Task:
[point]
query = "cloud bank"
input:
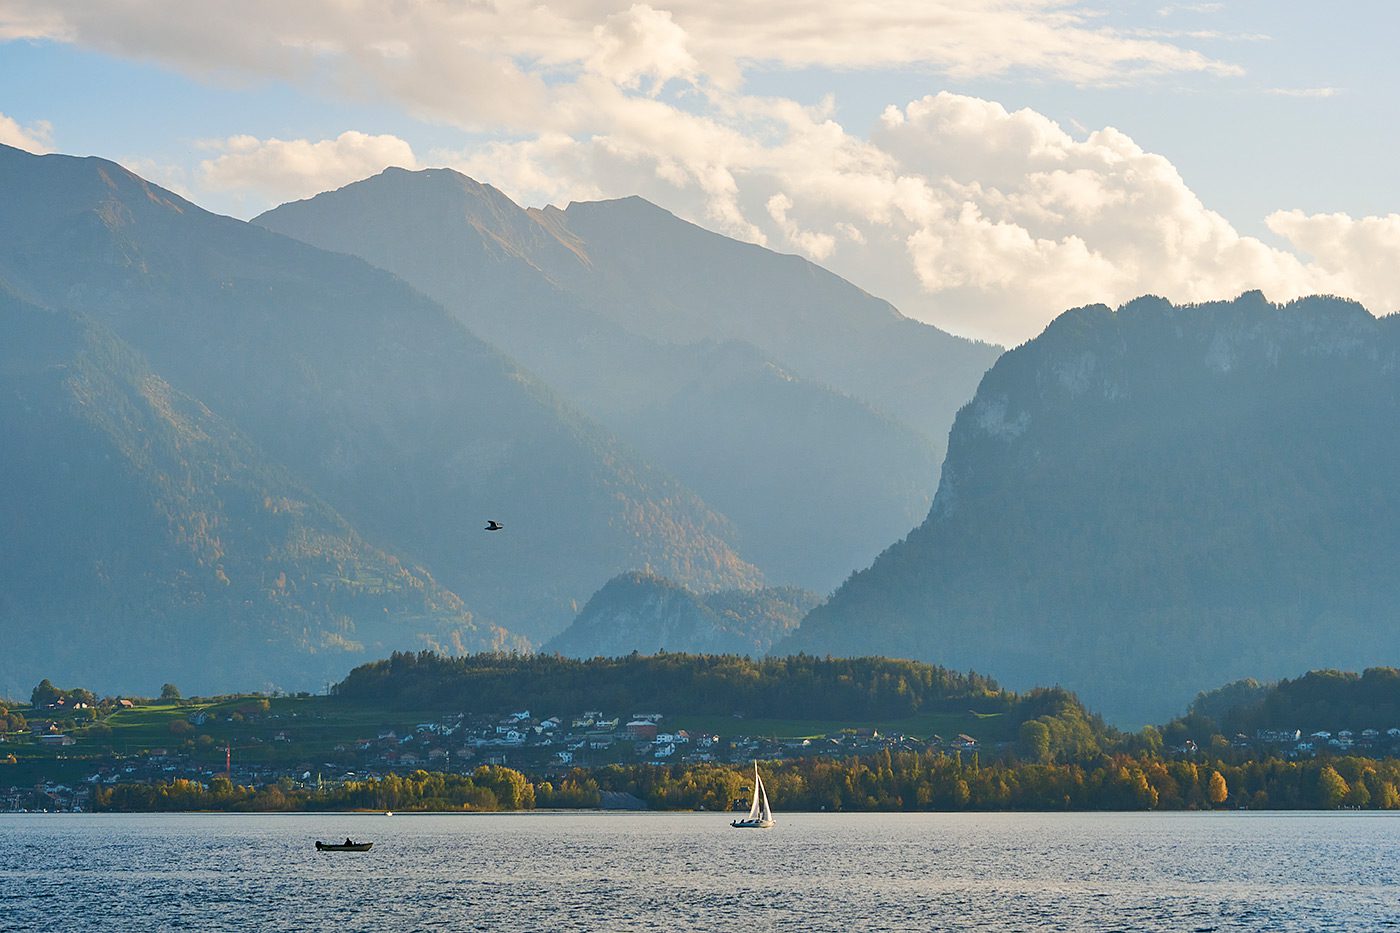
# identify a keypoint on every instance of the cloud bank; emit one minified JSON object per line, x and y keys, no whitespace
{"x":981,"y":219}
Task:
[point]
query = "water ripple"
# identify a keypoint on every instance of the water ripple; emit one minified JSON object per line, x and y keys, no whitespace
{"x":647,"y":872}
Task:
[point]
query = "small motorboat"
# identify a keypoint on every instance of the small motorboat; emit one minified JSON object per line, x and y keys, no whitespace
{"x":346,"y":846}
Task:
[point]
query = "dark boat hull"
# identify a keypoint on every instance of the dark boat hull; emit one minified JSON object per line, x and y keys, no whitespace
{"x":342,"y":847}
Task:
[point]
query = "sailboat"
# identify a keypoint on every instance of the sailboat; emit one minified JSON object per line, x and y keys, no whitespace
{"x":760,"y":814}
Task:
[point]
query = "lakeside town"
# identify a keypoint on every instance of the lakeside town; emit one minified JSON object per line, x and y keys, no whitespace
{"x":458,"y":743}
{"x":254,"y":743}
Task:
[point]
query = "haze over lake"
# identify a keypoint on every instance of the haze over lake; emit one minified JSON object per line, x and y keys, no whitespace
{"x":636,"y":871}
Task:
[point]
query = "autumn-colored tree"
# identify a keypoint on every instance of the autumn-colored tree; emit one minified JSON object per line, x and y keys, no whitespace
{"x":1217,"y":791}
{"x":1358,"y":794}
{"x":1332,"y":788}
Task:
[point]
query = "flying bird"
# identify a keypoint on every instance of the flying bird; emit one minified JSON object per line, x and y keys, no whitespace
{"x":493,"y":525}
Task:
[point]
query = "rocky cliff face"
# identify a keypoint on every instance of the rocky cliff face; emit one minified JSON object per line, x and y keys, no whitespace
{"x":1141,"y":503}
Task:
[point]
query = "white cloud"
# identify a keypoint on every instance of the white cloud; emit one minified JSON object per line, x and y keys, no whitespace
{"x":288,"y":169}
{"x":984,"y":220}
{"x":1361,"y":256}
{"x":981,"y":219}
{"x":1310,"y":92}
{"x":37,"y":137}
{"x":439,"y":58}
{"x":816,"y":245}
{"x":1205,"y":8}
{"x":641,"y":42}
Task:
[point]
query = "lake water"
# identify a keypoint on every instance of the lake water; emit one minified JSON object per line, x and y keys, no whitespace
{"x":690,"y":871}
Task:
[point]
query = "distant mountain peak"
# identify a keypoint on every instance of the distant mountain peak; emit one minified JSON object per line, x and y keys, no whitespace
{"x":700,"y":350}
{"x":629,"y":205}
{"x":642,"y":611}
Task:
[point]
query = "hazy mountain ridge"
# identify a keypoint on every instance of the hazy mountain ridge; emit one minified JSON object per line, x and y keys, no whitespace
{"x":673,"y":280}
{"x":1139,"y":502}
{"x":635,"y":316}
{"x":642,"y":612}
{"x":147,"y":539}
{"x":367,"y":392}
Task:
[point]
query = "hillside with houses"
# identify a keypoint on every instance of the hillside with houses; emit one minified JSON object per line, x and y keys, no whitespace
{"x":65,"y":748}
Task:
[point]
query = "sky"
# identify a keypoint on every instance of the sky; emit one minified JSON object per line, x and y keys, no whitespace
{"x":983,"y":164}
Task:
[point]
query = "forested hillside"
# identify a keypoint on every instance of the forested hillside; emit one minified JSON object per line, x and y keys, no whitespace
{"x":371,"y":396}
{"x":643,"y":612}
{"x":1051,"y":721}
{"x":1141,"y":502}
{"x":145,"y":537}
{"x":1319,"y":700}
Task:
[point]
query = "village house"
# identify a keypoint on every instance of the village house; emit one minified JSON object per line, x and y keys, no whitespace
{"x":643,"y":729}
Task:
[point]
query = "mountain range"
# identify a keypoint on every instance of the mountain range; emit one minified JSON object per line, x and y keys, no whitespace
{"x":243,"y":407}
{"x":370,"y":395}
{"x":1142,"y":501}
{"x":256,"y":454}
{"x":808,"y":412}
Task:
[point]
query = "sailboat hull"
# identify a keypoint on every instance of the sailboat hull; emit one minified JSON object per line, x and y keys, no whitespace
{"x":753,"y":824}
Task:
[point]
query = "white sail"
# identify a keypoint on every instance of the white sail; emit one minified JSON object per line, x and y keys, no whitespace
{"x":760,"y":814}
{"x":754,"y":810}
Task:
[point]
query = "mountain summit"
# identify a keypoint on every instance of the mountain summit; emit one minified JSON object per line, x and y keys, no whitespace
{"x":365,"y":394}
{"x":810,"y":413}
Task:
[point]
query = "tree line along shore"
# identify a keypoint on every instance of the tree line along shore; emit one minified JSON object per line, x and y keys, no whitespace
{"x":423,"y":731}
{"x":902,"y":781}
